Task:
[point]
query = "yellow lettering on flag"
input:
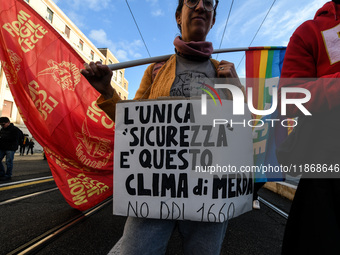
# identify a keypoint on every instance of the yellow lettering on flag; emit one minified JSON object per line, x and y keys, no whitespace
{"x":29,"y":33}
{"x":94,"y":112}
{"x":83,"y":187}
{"x":44,"y":103}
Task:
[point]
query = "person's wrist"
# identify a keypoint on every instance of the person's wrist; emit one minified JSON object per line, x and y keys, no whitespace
{"x":109,"y":94}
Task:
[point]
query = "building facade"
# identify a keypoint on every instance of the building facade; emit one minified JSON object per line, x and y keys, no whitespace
{"x":85,"y":48}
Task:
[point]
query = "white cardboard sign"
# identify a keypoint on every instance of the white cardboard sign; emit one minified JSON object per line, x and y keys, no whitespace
{"x":172,"y":162}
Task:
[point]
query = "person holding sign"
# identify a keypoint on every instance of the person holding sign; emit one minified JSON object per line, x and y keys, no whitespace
{"x":192,"y":61}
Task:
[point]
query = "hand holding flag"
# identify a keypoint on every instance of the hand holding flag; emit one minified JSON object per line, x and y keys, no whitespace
{"x":99,"y":76}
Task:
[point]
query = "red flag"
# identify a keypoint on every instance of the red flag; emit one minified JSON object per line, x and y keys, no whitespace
{"x":57,"y":104}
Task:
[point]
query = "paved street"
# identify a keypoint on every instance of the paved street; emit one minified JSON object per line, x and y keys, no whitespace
{"x":255,"y":232}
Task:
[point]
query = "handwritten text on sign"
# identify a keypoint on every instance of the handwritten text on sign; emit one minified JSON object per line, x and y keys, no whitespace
{"x":162,"y":152}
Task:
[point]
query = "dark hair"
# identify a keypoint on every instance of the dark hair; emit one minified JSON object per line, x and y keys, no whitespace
{"x":180,"y":6}
{"x":4,"y":120}
{"x":336,"y":1}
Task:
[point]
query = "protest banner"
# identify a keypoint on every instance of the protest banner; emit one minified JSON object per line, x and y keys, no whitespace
{"x":57,"y":104}
{"x":172,"y":162}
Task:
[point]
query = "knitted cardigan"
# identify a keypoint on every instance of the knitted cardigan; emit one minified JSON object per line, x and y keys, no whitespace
{"x":149,"y":89}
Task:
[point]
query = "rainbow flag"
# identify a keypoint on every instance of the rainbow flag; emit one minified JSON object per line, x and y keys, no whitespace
{"x":263,"y":70}
{"x":263,"y":63}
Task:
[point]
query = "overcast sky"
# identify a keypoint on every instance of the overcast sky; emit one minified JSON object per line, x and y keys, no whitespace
{"x":108,"y":23}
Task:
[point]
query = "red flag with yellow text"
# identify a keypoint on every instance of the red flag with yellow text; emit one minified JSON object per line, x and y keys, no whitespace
{"x":57,"y":104}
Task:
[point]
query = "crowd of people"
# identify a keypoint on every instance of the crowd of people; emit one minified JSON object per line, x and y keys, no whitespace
{"x":313,"y":226}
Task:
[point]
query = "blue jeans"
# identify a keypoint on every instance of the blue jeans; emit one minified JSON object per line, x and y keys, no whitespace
{"x":9,"y":162}
{"x":151,"y":236}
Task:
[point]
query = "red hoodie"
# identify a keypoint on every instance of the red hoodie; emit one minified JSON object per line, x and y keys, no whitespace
{"x":314,"y":52}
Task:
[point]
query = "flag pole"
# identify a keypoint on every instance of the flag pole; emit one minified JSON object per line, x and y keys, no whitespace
{"x":138,"y":62}
{"x":144,"y":61}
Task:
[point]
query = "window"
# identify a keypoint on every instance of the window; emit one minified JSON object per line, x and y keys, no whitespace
{"x":67,"y":31}
{"x":110,"y":62}
{"x":101,"y":60}
{"x":120,"y":76}
{"x":92,"y":55}
{"x":124,"y":85}
{"x":124,"y":97}
{"x":114,"y":76}
{"x":120,"y":94}
{"x":81,"y":45}
{"x":49,"y":15}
